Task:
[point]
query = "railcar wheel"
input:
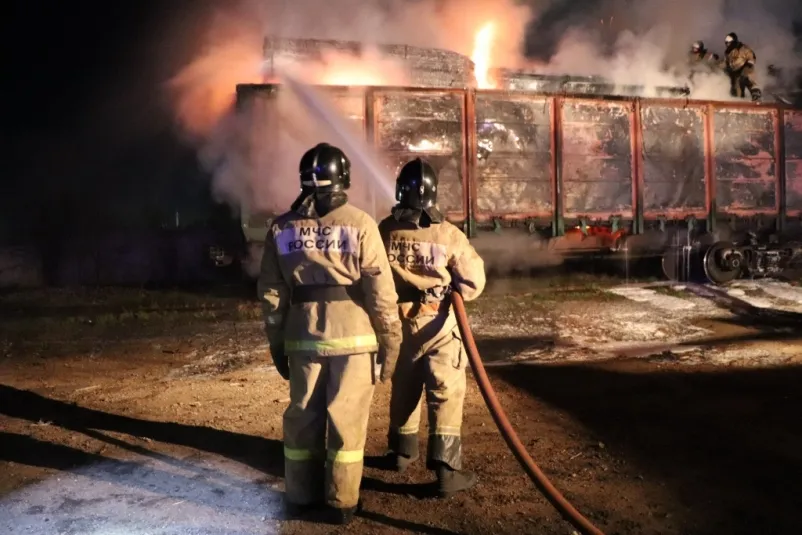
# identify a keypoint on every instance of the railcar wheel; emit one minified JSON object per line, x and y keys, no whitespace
{"x":680,"y":264}
{"x":672,"y":264}
{"x":723,"y":263}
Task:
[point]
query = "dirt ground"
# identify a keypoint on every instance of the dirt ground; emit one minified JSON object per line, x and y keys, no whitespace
{"x":654,"y":409}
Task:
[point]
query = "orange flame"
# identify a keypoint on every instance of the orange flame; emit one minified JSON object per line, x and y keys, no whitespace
{"x":482,"y":46}
{"x":205,"y":90}
{"x":369,"y":69}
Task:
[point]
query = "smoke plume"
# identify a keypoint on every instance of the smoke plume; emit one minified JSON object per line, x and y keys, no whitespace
{"x":255,"y":166}
{"x":253,"y":157}
{"x":639,"y":42}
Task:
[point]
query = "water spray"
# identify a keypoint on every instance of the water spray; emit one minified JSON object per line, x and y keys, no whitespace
{"x":357,"y":150}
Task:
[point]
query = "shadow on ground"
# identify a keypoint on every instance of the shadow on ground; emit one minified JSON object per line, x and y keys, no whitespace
{"x":263,"y":454}
{"x":726,"y":443}
{"x":747,"y":314}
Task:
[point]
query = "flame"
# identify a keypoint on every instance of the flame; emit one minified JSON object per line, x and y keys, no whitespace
{"x":205,"y":90}
{"x":426,"y":145}
{"x":352,"y":75}
{"x":371,"y":68}
{"x":482,"y":46}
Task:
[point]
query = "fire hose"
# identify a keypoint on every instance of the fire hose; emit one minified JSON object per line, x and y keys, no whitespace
{"x":505,"y":427}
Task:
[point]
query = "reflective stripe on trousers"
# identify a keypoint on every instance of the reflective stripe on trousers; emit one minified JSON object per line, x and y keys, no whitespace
{"x":328,"y":395}
{"x":351,"y":342}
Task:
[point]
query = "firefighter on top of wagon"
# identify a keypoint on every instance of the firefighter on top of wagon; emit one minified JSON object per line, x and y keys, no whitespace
{"x":739,"y":63}
{"x":427,"y":255}
{"x":700,"y":59}
{"x":329,"y":305}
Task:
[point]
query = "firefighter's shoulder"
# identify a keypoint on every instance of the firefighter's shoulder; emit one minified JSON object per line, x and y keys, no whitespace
{"x":354,"y":216}
{"x":387,"y":223}
{"x":281,"y":220}
{"x":452,"y":232}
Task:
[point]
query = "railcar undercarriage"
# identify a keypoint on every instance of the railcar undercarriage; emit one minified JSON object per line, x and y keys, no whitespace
{"x":722,"y":262}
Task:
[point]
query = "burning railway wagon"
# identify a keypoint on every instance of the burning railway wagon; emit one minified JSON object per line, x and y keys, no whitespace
{"x":582,"y":173}
{"x":425,"y":67}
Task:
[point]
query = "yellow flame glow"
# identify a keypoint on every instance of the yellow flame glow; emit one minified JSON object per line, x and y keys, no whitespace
{"x":482,"y":46}
{"x":426,"y":145}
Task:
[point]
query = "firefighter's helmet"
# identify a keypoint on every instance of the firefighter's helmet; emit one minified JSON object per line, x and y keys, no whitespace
{"x":326,"y":168}
{"x":416,"y":185}
{"x":731,"y":39}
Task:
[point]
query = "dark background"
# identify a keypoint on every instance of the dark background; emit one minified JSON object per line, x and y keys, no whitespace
{"x":88,"y":140}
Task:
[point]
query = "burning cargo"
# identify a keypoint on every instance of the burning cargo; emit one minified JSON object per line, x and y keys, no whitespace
{"x":564,"y":161}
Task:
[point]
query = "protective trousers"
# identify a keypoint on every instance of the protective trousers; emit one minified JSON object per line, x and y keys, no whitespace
{"x":327,"y":394}
{"x":743,"y":80}
{"x":437,"y":365}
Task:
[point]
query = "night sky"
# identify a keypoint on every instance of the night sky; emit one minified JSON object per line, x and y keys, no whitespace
{"x":87,"y":130}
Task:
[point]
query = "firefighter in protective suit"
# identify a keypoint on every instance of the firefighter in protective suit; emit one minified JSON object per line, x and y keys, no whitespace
{"x":739,"y":63}
{"x":700,"y":59}
{"x":427,"y":255}
{"x":329,"y":304}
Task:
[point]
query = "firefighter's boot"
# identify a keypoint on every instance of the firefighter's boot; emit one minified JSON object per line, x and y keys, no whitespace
{"x":344,"y":516}
{"x":394,"y":462}
{"x":402,"y":462}
{"x":449,"y":481}
{"x":297,"y":511}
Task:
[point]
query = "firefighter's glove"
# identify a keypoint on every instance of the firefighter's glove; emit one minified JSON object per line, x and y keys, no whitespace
{"x":454,"y":281}
{"x":281,"y":361}
{"x":389,"y":348}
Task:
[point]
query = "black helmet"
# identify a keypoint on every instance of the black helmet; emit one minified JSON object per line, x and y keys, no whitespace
{"x":698,"y":46}
{"x":731,"y":39}
{"x":416,"y":185}
{"x":416,"y":192}
{"x":325,"y":167}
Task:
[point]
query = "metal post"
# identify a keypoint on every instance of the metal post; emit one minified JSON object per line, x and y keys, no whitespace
{"x":470,"y":175}
{"x":781,"y":171}
{"x":370,"y":137}
{"x":710,"y":168}
{"x":558,"y":223}
{"x":636,"y":136}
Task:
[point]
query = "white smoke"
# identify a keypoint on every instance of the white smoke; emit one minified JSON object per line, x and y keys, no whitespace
{"x":640,"y":42}
{"x":254,"y":161}
{"x":254,"y":157}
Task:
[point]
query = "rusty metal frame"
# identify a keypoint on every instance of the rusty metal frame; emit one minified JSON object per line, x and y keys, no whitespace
{"x":470,"y":213}
{"x":710,"y":169}
{"x":636,"y":148}
{"x":780,"y":169}
{"x":455,"y":217}
{"x":666,"y":101}
{"x":555,"y":120}
{"x":370,"y":132}
{"x":672,"y":213}
{"x":594,"y":216}
{"x":714,"y":182}
{"x":483,"y":216}
{"x":797,"y":212}
{"x":469,"y":176}
{"x":680,"y":102}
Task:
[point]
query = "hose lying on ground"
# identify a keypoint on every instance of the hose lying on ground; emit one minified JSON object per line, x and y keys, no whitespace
{"x":510,"y":436}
